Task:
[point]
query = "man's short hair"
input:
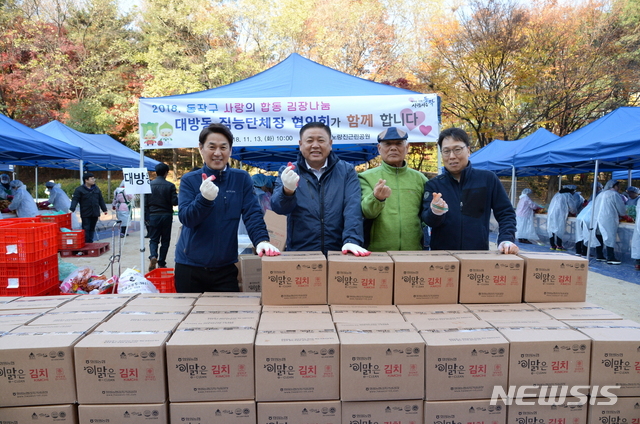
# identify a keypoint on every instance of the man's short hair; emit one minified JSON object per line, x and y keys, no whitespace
{"x":458,"y":134}
{"x":392,"y":133}
{"x":87,"y":175}
{"x":218,"y":129}
{"x":162,"y":169}
{"x":315,"y":125}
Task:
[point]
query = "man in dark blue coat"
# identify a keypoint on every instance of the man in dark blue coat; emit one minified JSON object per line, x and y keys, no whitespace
{"x":320,"y":195}
{"x":91,"y":202}
{"x":458,"y":203}
{"x":211,"y":202}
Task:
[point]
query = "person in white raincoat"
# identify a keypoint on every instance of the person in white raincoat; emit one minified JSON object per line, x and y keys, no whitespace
{"x":61,"y":202}
{"x":22,"y":202}
{"x":582,"y":226}
{"x":121,"y":204}
{"x":525,"y":230}
{"x":560,"y":206}
{"x":608,"y":208}
{"x":635,"y":244}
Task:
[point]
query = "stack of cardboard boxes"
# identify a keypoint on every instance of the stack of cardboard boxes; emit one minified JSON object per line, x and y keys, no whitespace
{"x":331,"y":340}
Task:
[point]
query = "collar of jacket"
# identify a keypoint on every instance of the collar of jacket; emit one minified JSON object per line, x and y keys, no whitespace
{"x":463,"y":174}
{"x":215,"y":172}
{"x":332,"y":159}
{"x":393,"y":169}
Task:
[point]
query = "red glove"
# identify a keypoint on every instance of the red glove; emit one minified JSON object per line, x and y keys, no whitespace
{"x":291,"y":165}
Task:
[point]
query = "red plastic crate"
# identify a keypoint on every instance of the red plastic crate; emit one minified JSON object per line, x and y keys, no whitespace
{"x":28,"y":242}
{"x":72,"y":239}
{"x":11,"y":221}
{"x":28,"y":279}
{"x":62,"y":220}
{"x":163,"y":279}
{"x":53,"y":290}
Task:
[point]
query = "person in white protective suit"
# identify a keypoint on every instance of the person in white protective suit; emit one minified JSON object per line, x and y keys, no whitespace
{"x":22,"y":202}
{"x":525,"y":230}
{"x":61,"y":202}
{"x":635,"y":244}
{"x":560,"y":206}
{"x":583,"y":227}
{"x":122,"y":203}
{"x":608,"y":208}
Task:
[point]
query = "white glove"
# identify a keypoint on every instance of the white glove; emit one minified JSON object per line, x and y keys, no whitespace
{"x":355,"y":249}
{"x":289,"y":178}
{"x":438,"y":205}
{"x":508,"y":247}
{"x":208,"y":189}
{"x":264,"y":248}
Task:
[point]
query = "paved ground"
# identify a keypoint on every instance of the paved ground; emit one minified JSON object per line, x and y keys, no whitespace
{"x":614,"y":287}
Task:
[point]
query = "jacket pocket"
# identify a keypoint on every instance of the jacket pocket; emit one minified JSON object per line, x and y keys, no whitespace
{"x":474,"y":201}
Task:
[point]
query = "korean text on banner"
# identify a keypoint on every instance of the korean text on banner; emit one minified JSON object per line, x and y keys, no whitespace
{"x":136,"y":180}
{"x":170,"y":122}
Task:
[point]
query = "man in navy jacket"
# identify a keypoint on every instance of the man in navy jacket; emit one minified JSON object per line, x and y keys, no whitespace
{"x":458,"y":203}
{"x":320,"y":195}
{"x":211,"y":202}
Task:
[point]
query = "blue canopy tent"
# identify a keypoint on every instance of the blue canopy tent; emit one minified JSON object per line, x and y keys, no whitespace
{"x":611,"y":143}
{"x":100,"y":152}
{"x":624,"y":175}
{"x":297,"y":76}
{"x":21,"y":145}
{"x":499,"y":155}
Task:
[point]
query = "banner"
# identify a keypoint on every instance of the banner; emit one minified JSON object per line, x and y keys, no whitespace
{"x":171,"y":122}
{"x":136,"y":180}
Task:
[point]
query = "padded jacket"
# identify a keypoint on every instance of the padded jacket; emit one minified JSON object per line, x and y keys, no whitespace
{"x":465,"y":226}
{"x":323,"y":214}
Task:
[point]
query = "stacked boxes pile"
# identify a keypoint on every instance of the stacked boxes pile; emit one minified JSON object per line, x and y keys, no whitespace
{"x":331,"y":340}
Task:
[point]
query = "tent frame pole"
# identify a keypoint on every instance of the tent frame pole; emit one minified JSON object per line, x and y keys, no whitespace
{"x":593,"y":209}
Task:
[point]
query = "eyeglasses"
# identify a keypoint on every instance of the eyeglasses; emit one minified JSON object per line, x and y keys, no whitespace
{"x":456,"y":151}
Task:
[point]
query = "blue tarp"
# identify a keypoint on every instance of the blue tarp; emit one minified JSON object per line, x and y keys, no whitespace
{"x":499,"y":155}
{"x":100,"y":152}
{"x":297,"y":76}
{"x":21,"y":145}
{"x":624,"y":175}
{"x":613,"y":140}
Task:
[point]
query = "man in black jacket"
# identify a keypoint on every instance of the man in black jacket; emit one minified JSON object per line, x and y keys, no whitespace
{"x":457,"y":204}
{"x":90,"y":199}
{"x":159,"y":214}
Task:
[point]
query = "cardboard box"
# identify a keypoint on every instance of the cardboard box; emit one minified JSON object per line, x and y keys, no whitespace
{"x":360,"y":280}
{"x":277,"y":228}
{"x":239,"y":412}
{"x":296,"y":365}
{"x":516,"y":322}
{"x":490,"y":277}
{"x":442,"y":323}
{"x":296,"y":313}
{"x":575,"y":311}
{"x":554,"y":277}
{"x":365,"y":313}
{"x":425,"y":277}
{"x":250,"y":273}
{"x":143,"y":321}
{"x":626,"y":410}
{"x":498,"y":315}
{"x":615,"y":358}
{"x":104,"y":301}
{"x":390,"y":411}
{"x":211,"y":364}
{"x":541,"y":357}
{"x":548,"y":414}
{"x":148,"y":413}
{"x":605,"y":323}
{"x":294,"y":278}
{"x":114,"y":368}
{"x":220,"y":320}
{"x":432,"y":309}
{"x":38,"y":302}
{"x":465,"y":411}
{"x":381,"y":364}
{"x":213,"y":309}
{"x":18,"y":317}
{"x":500,"y":307}
{"x":309,"y":412}
{"x":465,"y":364}
{"x":166,"y":300}
{"x":37,"y":368}
{"x":50,"y":414}
{"x":65,"y":317}
{"x":229,"y":299}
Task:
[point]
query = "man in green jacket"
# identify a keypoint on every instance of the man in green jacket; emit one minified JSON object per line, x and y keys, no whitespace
{"x":392,"y":196}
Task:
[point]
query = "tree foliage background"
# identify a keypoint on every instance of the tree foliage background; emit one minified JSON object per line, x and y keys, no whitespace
{"x":502,"y":68}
